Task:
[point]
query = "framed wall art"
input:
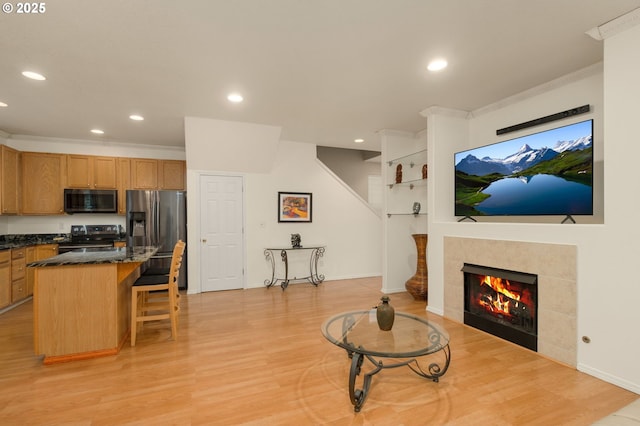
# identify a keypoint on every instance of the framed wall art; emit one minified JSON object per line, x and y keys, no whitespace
{"x":294,"y":207}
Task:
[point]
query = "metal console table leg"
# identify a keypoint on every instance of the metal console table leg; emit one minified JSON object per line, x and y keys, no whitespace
{"x":315,"y":253}
{"x":314,"y":277}
{"x":285,"y":260}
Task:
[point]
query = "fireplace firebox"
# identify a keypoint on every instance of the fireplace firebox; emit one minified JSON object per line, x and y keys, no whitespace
{"x":503,"y":303}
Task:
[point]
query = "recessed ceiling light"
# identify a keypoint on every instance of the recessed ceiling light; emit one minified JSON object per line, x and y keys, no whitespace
{"x":437,"y":65}
{"x":3,"y":105}
{"x":33,"y":75}
{"x":136,"y":117}
{"x":235,"y":98}
{"x":358,"y":140}
{"x":97,"y":131}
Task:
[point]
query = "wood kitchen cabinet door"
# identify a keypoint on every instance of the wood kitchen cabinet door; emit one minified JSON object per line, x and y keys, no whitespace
{"x":5,"y":278}
{"x":43,"y":178}
{"x":9,"y":189}
{"x":172,"y":174}
{"x":86,"y":171}
{"x":144,"y":173}
{"x":31,"y":256}
{"x":104,"y":173}
{"x":18,"y":274}
{"x":33,"y":253}
{"x":78,"y":171}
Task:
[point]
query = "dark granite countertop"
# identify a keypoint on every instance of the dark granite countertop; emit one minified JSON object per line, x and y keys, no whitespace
{"x":94,"y":256}
{"x":23,"y":240}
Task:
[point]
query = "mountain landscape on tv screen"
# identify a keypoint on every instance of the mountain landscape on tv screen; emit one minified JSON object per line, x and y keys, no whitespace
{"x":529,"y":181}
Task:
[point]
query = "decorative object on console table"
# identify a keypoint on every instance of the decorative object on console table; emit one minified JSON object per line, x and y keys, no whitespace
{"x":294,"y":207}
{"x":296,"y":241}
{"x":385,"y":314}
{"x":399,"y":173}
{"x":417,"y":285}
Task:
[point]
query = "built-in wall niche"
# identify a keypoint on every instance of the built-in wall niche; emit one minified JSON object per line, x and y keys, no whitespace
{"x":407,"y":183}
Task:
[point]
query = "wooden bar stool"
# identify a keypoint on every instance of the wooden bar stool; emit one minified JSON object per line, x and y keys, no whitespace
{"x":156,"y":297}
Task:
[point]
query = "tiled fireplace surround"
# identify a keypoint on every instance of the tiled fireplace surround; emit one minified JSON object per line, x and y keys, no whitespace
{"x":555,"y":265}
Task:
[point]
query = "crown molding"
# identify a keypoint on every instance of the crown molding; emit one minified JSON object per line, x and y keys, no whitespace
{"x":615,"y":26}
{"x":95,"y":142}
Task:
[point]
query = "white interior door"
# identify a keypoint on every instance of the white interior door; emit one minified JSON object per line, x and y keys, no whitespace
{"x":221,"y":230}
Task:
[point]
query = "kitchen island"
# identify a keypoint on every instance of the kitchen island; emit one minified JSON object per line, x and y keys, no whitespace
{"x":82,"y":302}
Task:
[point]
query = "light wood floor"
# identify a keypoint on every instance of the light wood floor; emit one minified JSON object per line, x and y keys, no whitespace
{"x":257,"y":357}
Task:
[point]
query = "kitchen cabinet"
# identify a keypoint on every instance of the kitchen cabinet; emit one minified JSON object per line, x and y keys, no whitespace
{"x":43,"y":181}
{"x":144,"y":173}
{"x":44,"y":177}
{"x":9,"y":178}
{"x":172,"y":174}
{"x":35,"y":253}
{"x":88,"y":171}
{"x":157,"y":174}
{"x":124,"y":183}
{"x":31,"y":256}
{"x":18,"y":274}
{"x":5,"y":278}
{"x":45,"y":251}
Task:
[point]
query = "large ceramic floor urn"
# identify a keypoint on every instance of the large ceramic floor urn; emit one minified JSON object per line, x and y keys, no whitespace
{"x":417,"y":285}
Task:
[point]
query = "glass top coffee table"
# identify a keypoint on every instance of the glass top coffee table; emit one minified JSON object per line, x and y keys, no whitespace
{"x":410,"y":338}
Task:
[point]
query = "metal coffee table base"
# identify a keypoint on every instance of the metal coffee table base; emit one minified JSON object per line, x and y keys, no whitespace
{"x":359,"y":396}
{"x":411,"y":340}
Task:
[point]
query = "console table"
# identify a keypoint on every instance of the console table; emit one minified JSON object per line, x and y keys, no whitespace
{"x":410,"y":339}
{"x":314,"y":253}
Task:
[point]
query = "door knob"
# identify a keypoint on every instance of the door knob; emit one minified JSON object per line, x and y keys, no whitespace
{"x":204,"y":240}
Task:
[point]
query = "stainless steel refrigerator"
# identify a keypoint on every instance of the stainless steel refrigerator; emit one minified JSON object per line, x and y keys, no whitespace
{"x":158,"y":218}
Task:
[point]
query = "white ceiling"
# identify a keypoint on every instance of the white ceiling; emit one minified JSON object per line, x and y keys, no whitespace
{"x":327,"y":71}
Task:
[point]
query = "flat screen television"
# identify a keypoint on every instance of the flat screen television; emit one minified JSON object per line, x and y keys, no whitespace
{"x":545,"y":173}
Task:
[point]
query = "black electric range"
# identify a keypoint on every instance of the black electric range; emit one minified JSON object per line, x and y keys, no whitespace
{"x":91,"y":236}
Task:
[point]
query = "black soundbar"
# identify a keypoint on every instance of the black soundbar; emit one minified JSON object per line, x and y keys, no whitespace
{"x":542,"y":120}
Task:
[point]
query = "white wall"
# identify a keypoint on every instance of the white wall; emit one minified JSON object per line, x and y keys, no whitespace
{"x":230,"y":146}
{"x":609,"y":309}
{"x":62,"y":223}
{"x":341,"y":221}
{"x":607,"y":291}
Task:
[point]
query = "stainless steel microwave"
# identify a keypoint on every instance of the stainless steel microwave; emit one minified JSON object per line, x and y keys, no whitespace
{"x":90,"y":201}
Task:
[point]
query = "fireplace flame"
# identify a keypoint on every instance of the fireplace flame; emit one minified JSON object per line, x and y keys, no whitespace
{"x":500,"y":286}
{"x":504,"y":296}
